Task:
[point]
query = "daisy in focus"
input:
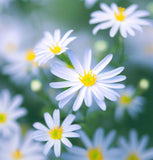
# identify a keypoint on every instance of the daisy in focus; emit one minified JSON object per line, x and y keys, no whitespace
{"x":135,"y":149}
{"x":98,"y":149}
{"x":10,"y":112}
{"x":52,"y":45}
{"x":128,"y":102}
{"x":86,"y":82}
{"x":21,"y":66}
{"x":127,"y":20}
{"x":56,"y":133}
{"x":18,"y":149}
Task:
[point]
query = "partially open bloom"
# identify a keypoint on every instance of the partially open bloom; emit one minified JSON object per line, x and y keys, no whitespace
{"x":87,"y":82}
{"x":127,"y":20}
{"x":128,"y":102}
{"x":50,"y":46}
{"x":17,"y":149}
{"x":10,"y":112}
{"x":134,"y":149}
{"x":21,"y":66}
{"x":56,"y":133}
{"x":98,"y":149}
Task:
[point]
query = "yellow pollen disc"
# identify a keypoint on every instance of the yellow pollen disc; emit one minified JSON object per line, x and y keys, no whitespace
{"x":30,"y":56}
{"x":2,"y":118}
{"x":88,"y":79}
{"x":95,"y":154}
{"x":124,"y":99}
{"x":121,"y":16}
{"x":133,"y":156}
{"x":17,"y":155}
{"x":55,"y":49}
{"x":56,"y":133}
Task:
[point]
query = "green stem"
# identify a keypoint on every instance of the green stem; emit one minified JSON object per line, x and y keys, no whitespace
{"x":122,"y":56}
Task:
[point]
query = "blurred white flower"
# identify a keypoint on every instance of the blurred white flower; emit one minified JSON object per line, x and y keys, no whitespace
{"x":50,"y":46}
{"x":134,"y":149}
{"x":4,"y":3}
{"x":89,"y":83}
{"x":128,"y":102}
{"x":10,"y":112}
{"x":90,"y":3}
{"x":99,"y":149}
{"x":56,"y":133}
{"x":11,"y":37}
{"x":21,"y":66}
{"x":118,"y":18}
{"x":140,"y":48}
{"x":18,"y":149}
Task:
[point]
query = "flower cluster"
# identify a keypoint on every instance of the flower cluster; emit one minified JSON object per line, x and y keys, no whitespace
{"x":84,"y":81}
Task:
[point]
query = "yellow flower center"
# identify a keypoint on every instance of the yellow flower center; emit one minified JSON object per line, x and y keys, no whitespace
{"x":17,"y":155}
{"x":2,"y":118}
{"x":121,"y":16}
{"x":95,"y":154}
{"x":56,"y":133}
{"x":30,"y":56}
{"x":125,"y":99}
{"x":55,"y":49}
{"x":133,"y":156}
{"x":88,"y":79}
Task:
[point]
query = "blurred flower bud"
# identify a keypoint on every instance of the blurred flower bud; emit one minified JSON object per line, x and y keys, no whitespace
{"x":144,"y":84}
{"x":35,"y":85}
{"x":101,"y":46}
{"x":150,"y":7}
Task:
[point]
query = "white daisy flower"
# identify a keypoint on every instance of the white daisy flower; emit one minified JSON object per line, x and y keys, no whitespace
{"x":56,"y":133}
{"x":118,"y":18}
{"x":10,"y":112}
{"x":21,"y":66}
{"x":135,"y":149}
{"x":128,"y":102}
{"x":18,"y":149}
{"x":50,"y":46}
{"x":89,"y":83}
{"x":90,"y":3}
{"x":11,"y":37}
{"x":98,"y":149}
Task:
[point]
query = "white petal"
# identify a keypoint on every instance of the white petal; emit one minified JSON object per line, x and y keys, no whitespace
{"x":85,"y":139}
{"x":48,"y":120}
{"x":66,"y":142}
{"x":102,"y":64}
{"x":88,"y":97}
{"x":56,"y":117}
{"x":66,"y":35}
{"x":105,"y":7}
{"x":102,"y":26}
{"x":131,"y":9}
{"x":109,"y":139}
{"x":40,"y":136}
{"x":87,"y":59}
{"x":62,"y":84}
{"x":40,"y":126}
{"x":17,"y":100}
{"x":68,"y":120}
{"x":68,"y":92}
{"x":98,"y":137}
{"x":57,"y":148}
{"x":111,"y":73}
{"x":64,"y":101}
{"x":71,"y":134}
{"x":79,"y":100}
{"x":48,"y":146}
{"x":101,"y":104}
{"x":114,"y":29}
{"x":57,"y":35}
{"x":75,"y":62}
{"x":71,"y":128}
